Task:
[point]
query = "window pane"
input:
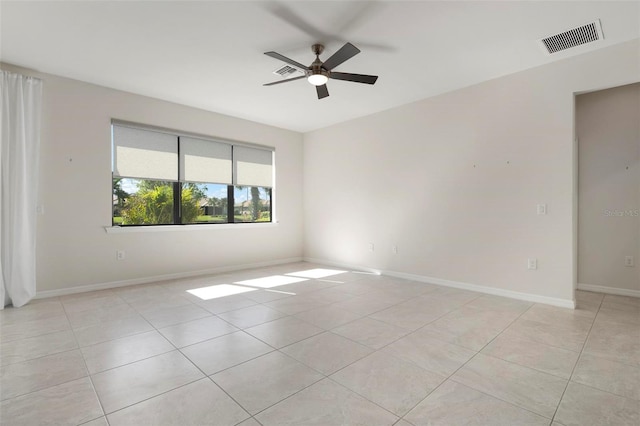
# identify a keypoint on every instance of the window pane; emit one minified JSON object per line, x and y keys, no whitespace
{"x":204,"y":203}
{"x":142,"y":202}
{"x":252,"y":204}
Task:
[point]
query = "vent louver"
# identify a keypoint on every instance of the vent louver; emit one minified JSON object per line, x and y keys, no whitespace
{"x":286,"y":70}
{"x":578,"y":36}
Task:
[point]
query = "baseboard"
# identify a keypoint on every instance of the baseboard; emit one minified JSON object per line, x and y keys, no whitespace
{"x":609,"y":290}
{"x":146,"y":280}
{"x":563,"y":303}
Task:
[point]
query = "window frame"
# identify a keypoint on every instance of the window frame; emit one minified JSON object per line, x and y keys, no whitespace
{"x":177,"y":186}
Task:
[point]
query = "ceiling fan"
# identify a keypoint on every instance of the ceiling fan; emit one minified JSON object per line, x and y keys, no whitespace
{"x":318,"y":73}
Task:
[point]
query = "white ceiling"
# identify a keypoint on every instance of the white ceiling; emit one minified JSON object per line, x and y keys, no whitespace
{"x":209,"y":54}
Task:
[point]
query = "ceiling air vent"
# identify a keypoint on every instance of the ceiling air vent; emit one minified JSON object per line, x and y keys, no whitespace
{"x":584,"y":34}
{"x":286,"y":70}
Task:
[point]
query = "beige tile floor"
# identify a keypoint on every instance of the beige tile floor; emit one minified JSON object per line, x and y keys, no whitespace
{"x":303,"y":344}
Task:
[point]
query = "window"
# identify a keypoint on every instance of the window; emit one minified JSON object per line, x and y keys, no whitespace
{"x":164,"y":178}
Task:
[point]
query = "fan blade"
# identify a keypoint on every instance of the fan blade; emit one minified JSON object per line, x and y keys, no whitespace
{"x":346,"y":52}
{"x":323,"y":92}
{"x":358,"y":78}
{"x":284,"y":81}
{"x":276,"y":55}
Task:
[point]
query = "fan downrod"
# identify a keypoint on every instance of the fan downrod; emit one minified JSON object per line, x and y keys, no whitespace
{"x":317,"y":49}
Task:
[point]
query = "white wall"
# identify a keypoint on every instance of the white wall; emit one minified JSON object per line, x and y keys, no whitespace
{"x":73,"y":248}
{"x":454,"y":180}
{"x":608,"y":131}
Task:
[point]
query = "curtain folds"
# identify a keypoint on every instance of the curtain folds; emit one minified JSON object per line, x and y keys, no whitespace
{"x":20,"y":116}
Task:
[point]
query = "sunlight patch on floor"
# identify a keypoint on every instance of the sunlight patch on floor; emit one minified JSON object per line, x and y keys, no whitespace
{"x":272,"y":281}
{"x":220,"y":290}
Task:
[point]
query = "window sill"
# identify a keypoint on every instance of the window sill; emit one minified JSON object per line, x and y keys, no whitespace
{"x":179,"y":228}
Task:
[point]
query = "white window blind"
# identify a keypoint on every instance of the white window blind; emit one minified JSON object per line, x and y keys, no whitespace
{"x":252,"y":166}
{"x":144,"y":154}
{"x":205,"y":161}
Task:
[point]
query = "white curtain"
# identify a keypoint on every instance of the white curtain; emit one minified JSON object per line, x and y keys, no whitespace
{"x":20,"y":109}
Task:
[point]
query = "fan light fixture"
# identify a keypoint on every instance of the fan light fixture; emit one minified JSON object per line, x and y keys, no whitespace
{"x":317,"y":79}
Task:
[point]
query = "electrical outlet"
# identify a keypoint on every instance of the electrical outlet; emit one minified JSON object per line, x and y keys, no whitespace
{"x":541,"y":209}
{"x":394,"y":249}
{"x":628,"y":261}
{"x":532,"y":263}
{"x":371,"y":247}
{"x":40,"y":209}
{"x":119,"y":254}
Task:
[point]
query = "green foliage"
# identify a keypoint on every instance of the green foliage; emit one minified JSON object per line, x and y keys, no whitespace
{"x":120,"y":194}
{"x":153,"y":204}
{"x":190,"y":207}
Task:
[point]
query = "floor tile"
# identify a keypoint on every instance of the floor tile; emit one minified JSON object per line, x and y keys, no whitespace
{"x":250,"y":316}
{"x":23,"y":330}
{"x":454,"y":404}
{"x":264,"y":296}
{"x":132,"y":383}
{"x":115,"y":353}
{"x":325,"y":404}
{"x":100,"y":421}
{"x":165,"y":317}
{"x":610,"y":376}
{"x":618,"y":342}
{"x":499,"y":304}
{"x":589,"y":296}
{"x":226,"y":304}
{"x":266,"y":380}
{"x":41,"y":373}
{"x":423,"y":333}
{"x":357,"y":288}
{"x":372,"y":333}
{"x":553,"y":315}
{"x":284,"y":331}
{"x":112,"y":330}
{"x":36,"y":347}
{"x":541,"y":357}
{"x":429,"y":353}
{"x":327,"y":352}
{"x":188,"y":333}
{"x":367,"y":304}
{"x":585,"y":406}
{"x":570,"y":336}
{"x":527,"y":388}
{"x":91,"y":303}
{"x":163,"y":301}
{"x":34,"y":311}
{"x":328,"y":317}
{"x":471,"y":327}
{"x":390,"y":382}
{"x":73,"y":403}
{"x":617,"y":316}
{"x":249,"y":422}
{"x":305,"y":287}
{"x":226,"y":351}
{"x":100,"y":315}
{"x":198,"y":403}
{"x":294,"y":304}
{"x":622,"y":303}
{"x":451,"y":298}
{"x":410,"y":315}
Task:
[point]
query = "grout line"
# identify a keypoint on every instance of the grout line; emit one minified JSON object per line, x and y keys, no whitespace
{"x":584,"y":344}
{"x":84,"y":361}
